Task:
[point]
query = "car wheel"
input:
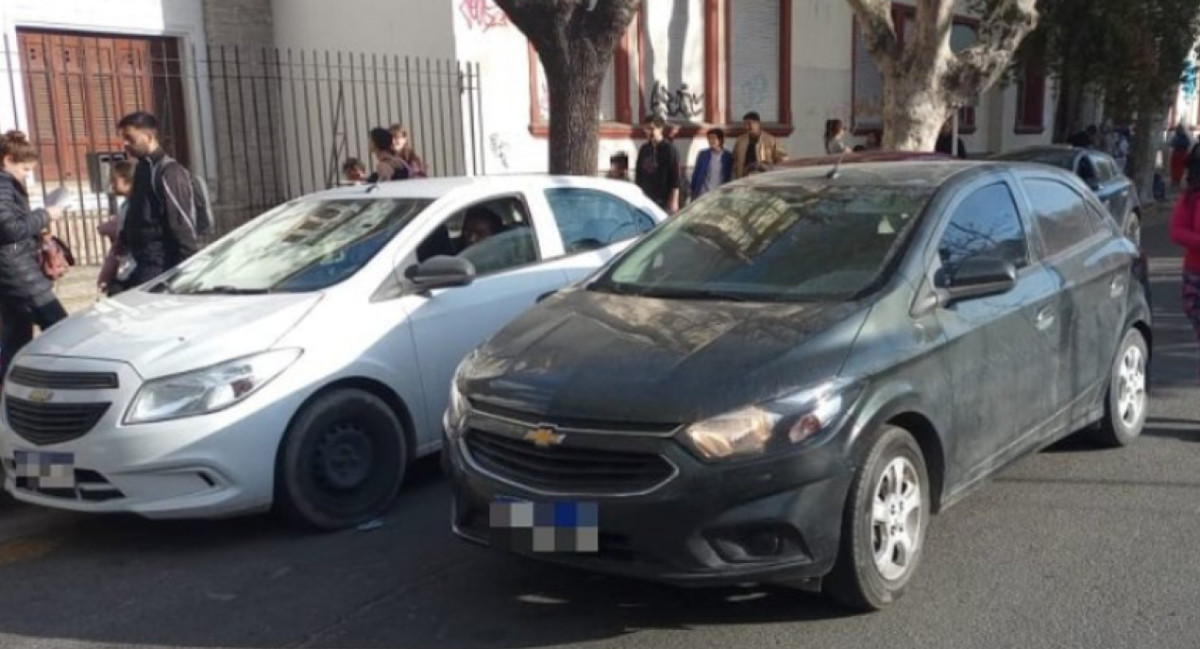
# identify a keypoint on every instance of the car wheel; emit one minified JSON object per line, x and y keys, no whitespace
{"x":1126,"y":402}
{"x":342,"y":461}
{"x":883,"y":527}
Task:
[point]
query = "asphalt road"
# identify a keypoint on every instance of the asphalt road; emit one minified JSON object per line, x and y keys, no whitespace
{"x":1072,"y":547}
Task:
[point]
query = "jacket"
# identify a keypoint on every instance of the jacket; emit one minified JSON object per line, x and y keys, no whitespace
{"x":769,"y":152}
{"x":700,"y":173}
{"x":1185,"y":230}
{"x":21,"y":276}
{"x":157,"y":231}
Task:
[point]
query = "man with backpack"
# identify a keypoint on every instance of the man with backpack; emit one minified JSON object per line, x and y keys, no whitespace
{"x":168,"y":209}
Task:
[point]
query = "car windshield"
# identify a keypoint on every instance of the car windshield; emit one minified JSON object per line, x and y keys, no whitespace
{"x":1061,"y":159}
{"x":773,"y":243}
{"x":304,"y":245}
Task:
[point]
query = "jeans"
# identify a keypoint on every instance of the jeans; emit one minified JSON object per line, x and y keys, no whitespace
{"x":17,"y":318}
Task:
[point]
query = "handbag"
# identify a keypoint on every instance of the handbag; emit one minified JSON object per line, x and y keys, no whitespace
{"x":55,"y":257}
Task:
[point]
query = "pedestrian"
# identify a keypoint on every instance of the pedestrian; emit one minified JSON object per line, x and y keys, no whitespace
{"x":404,"y":154}
{"x":618,"y":166}
{"x":1121,"y":148}
{"x":26,"y":293}
{"x":946,"y":141}
{"x":117,"y":265}
{"x":755,"y":150}
{"x":354,"y":172}
{"x":657,"y":170}
{"x":386,"y":168}
{"x":1185,"y":231}
{"x":714,"y":165}
{"x":835,"y":133}
{"x":159,"y":230}
{"x":1181,"y":144}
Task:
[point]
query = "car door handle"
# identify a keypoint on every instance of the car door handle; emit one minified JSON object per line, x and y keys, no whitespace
{"x":1045,"y":317}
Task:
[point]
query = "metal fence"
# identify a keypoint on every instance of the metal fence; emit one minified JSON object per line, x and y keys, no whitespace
{"x":260,"y":125}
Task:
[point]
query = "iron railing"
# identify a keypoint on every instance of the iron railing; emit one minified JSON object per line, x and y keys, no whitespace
{"x":260,"y":125}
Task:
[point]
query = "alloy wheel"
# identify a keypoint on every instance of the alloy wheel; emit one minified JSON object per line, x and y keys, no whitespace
{"x":897,"y":517}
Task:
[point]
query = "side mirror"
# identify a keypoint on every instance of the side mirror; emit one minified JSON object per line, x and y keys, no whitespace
{"x":441,"y":272}
{"x":977,"y":277}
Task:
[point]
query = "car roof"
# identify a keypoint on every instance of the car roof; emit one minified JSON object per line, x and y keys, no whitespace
{"x":924,"y":172}
{"x":862,"y":157}
{"x":435,"y":188}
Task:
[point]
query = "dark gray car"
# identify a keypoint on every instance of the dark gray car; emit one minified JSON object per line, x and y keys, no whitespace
{"x":1100,"y":172}
{"x":785,"y":381}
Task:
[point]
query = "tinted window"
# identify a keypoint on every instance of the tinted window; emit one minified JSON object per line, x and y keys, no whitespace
{"x":985,"y":224}
{"x":589,"y":219}
{"x":802,"y":242}
{"x":1062,"y":216}
{"x":1104,"y":171}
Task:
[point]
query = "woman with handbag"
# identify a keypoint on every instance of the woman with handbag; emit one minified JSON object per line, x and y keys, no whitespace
{"x":26,"y":294}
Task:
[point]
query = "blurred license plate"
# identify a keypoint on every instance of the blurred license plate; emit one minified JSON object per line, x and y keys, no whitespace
{"x":545,"y":527}
{"x":38,"y":470}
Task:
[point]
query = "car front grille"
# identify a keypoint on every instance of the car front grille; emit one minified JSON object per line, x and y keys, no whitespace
{"x":64,"y":380}
{"x":565,"y":469}
{"x":52,"y":423}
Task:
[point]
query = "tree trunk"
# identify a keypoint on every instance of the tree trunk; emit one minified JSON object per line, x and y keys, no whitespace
{"x":913,"y":114}
{"x":574,"y":106}
{"x":1147,"y":141}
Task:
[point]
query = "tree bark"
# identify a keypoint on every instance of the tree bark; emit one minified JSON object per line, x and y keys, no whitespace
{"x":575,"y":40}
{"x":923,"y":80}
{"x":1147,"y":142}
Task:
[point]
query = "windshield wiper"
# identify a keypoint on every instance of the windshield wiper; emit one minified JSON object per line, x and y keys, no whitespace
{"x":229,"y":290}
{"x":695,"y":294}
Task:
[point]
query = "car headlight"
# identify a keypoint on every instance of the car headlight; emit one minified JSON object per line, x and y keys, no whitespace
{"x":457,"y":410}
{"x":789,"y":420}
{"x":209,"y":389}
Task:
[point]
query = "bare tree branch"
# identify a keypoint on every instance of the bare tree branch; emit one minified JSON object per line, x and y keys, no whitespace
{"x":1004,"y":26}
{"x":878,"y":30}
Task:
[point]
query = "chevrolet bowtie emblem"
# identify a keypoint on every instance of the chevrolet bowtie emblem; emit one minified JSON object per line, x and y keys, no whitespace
{"x":40,"y":396}
{"x":544,"y":437}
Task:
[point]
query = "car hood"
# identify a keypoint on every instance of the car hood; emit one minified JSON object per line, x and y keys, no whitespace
{"x":618,"y":358}
{"x":160,"y":334}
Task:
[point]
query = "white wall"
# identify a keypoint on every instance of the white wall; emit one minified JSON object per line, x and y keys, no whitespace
{"x":416,"y":27}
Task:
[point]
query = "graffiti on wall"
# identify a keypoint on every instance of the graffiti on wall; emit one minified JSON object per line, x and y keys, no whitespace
{"x":680,"y":102}
{"x":500,"y":147}
{"x":483,"y":14}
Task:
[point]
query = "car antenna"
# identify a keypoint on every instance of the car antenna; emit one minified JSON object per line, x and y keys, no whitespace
{"x":837,"y":168}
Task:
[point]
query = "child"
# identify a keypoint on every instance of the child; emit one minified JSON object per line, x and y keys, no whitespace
{"x":354,"y":171}
{"x":111,"y":276}
{"x":618,"y":166}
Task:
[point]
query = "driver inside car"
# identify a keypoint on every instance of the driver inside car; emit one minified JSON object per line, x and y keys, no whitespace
{"x":479,"y":224}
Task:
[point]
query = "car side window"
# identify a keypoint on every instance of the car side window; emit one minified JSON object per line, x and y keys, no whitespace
{"x":1104,"y":170}
{"x":590,"y":219}
{"x":494,"y":235}
{"x":1061,"y":214}
{"x":986,"y":223}
{"x":1087,"y":170}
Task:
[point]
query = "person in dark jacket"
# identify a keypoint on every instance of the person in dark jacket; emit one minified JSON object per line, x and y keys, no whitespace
{"x":657,"y":171}
{"x":26,"y":295}
{"x":160,"y":228}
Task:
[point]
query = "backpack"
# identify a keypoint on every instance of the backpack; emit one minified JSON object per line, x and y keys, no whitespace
{"x":201,"y":212}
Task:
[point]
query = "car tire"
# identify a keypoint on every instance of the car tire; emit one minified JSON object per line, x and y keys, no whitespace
{"x":886,"y":516}
{"x":342,"y":461}
{"x":1126,"y":401}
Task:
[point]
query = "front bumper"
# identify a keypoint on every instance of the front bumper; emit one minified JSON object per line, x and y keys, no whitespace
{"x":210,"y":466}
{"x":772,"y":519}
